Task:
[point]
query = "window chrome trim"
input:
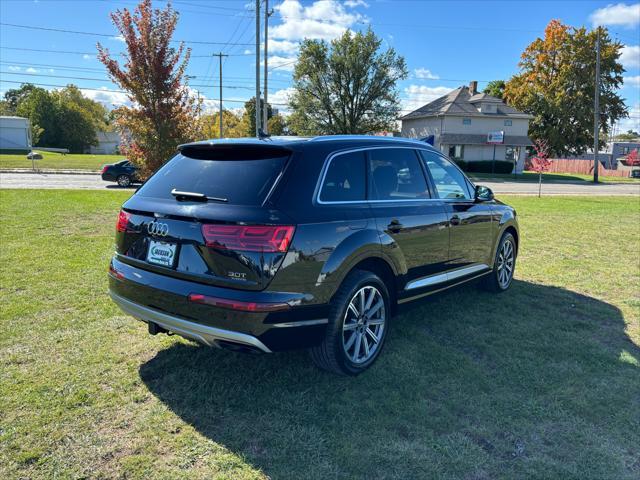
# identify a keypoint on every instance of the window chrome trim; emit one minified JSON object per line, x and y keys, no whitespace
{"x":445,"y":277}
{"x":329,"y":159}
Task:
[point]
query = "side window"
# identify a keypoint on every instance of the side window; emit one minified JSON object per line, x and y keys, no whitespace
{"x":448,"y":180}
{"x":344,"y":180}
{"x":396,"y":174}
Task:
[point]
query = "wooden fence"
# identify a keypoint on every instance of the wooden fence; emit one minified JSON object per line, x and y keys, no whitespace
{"x":564,"y":165}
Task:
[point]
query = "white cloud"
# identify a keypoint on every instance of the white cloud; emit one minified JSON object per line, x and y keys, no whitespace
{"x":13,"y":68}
{"x":618,"y":14}
{"x":281,"y":63}
{"x":117,"y":38}
{"x":247,"y":52}
{"x":108,"y":98}
{"x":630,"y":123}
{"x":323,"y":19}
{"x":279,"y":97}
{"x":632,"y":81}
{"x":425,"y":74}
{"x":356,"y":3}
{"x":88,"y":57}
{"x":283,"y":46}
{"x":630,"y":56}
{"x":31,"y":70}
{"x":418,"y":95}
{"x":209,"y":105}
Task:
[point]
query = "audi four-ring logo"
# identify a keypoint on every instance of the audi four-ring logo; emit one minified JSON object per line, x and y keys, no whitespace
{"x":157,"y":228}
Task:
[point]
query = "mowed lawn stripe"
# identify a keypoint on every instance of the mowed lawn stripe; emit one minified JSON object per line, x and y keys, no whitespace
{"x":542,"y":381}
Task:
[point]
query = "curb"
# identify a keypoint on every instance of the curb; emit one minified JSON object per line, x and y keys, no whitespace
{"x":49,"y":171}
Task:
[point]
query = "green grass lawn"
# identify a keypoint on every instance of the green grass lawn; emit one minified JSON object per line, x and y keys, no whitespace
{"x":546,"y":177}
{"x":76,"y":161}
{"x":540,"y":382}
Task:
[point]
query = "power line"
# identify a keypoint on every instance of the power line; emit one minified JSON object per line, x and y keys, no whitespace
{"x":95,"y":34}
{"x":42,"y":50}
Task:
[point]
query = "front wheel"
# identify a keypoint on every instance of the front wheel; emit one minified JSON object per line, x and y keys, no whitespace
{"x":124,"y":180}
{"x":358,"y":324}
{"x":504,"y":265}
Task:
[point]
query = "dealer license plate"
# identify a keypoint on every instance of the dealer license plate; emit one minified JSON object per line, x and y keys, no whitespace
{"x":161,"y":253}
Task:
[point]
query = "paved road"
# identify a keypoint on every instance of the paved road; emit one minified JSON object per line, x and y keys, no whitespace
{"x":93,"y":182}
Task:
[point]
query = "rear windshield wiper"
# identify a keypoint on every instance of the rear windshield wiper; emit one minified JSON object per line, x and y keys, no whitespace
{"x":196,"y":196}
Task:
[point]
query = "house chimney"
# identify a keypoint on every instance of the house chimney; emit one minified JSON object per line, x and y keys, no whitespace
{"x":473,"y":87}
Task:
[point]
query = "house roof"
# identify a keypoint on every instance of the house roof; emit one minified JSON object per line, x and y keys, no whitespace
{"x":460,"y":103}
{"x":472,"y":139}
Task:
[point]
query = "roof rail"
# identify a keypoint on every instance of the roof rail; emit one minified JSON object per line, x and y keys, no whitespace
{"x":324,"y":138}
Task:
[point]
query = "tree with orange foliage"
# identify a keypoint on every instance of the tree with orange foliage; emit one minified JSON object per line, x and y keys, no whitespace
{"x":162,"y":114}
{"x":556,"y":84}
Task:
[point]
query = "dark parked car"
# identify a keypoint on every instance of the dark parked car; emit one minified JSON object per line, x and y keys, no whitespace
{"x":124,"y":173}
{"x":267,"y":245}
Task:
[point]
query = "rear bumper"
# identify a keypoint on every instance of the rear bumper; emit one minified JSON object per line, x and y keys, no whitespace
{"x":164,"y":301}
{"x":195,"y":331}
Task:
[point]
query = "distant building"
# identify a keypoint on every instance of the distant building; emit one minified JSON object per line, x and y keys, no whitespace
{"x":108,"y":143}
{"x":471,"y":126}
{"x":15,"y":135}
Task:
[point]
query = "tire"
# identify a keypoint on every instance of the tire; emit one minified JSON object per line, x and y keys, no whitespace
{"x":337,"y":352}
{"x":500,"y":279}
{"x":124,"y":181}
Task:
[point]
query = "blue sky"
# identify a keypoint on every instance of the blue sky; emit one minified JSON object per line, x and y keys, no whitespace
{"x":445,"y":44}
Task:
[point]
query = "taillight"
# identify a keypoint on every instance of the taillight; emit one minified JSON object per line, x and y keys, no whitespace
{"x":237,"y":304}
{"x":123,"y":221}
{"x":254,"y":238}
{"x":104,"y":169}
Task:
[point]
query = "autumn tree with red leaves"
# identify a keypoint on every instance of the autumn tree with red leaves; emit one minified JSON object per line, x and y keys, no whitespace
{"x":163,"y":114}
{"x":540,"y":162}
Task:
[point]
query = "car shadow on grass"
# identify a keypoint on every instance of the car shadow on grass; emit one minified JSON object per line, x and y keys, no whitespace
{"x":539,"y":381}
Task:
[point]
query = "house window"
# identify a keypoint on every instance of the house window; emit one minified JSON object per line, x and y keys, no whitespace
{"x":466,"y":121}
{"x":456,"y":152}
{"x":508,"y":123}
{"x":625,"y":150}
{"x":511,"y":154}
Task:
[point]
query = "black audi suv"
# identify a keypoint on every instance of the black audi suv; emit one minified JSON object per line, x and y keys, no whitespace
{"x":280,"y":243}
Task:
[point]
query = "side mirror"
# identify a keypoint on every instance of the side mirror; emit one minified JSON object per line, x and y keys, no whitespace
{"x":483,"y":194}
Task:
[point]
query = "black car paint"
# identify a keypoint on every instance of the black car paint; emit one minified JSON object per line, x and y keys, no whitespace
{"x":410,"y":239}
{"x":112,"y":171}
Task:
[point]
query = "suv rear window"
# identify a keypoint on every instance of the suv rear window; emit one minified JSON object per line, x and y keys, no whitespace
{"x":241,"y":181}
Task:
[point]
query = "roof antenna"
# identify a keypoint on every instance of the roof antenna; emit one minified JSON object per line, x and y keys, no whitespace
{"x":262,"y":135}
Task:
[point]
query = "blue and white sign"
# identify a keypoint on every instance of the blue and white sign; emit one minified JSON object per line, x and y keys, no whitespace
{"x":495,"y":137}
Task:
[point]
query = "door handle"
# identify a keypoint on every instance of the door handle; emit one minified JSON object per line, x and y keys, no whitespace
{"x":455,"y":220}
{"x":395,"y":226}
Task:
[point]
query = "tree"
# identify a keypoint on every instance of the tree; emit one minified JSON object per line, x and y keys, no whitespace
{"x":233,"y":125}
{"x":629,"y":135}
{"x":540,"y":162}
{"x":495,"y":88}
{"x":277,"y":125}
{"x":556,"y":85}
{"x":249,"y":115}
{"x":163,"y":114}
{"x":348,"y":86}
{"x":14,"y":96}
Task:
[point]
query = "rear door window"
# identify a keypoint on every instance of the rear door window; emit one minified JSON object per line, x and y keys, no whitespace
{"x":241,"y":181}
{"x":449,"y":181}
{"x":396,"y":174}
{"x":344,"y":180}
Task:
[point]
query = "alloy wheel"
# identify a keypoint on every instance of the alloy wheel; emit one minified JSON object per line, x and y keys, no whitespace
{"x":363,"y":325}
{"x":506,"y":262}
{"x":124,"y":181}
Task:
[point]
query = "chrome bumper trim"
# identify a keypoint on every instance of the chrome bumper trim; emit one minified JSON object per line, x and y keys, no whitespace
{"x":194,"y":331}
{"x":445,"y":277}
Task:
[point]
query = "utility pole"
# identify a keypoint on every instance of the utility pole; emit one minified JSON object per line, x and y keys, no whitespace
{"x":596,"y":112}
{"x":265,"y":117}
{"x":220,"y":55}
{"x":258,"y":68}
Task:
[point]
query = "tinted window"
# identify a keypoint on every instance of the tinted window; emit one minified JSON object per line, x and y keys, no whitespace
{"x":344,"y":180}
{"x":242,"y":182}
{"x":395,"y":174}
{"x":448,"y":179}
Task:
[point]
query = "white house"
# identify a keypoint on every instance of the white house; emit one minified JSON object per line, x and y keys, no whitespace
{"x":472,"y":126}
{"x":108,"y":143}
{"x":15,"y":135}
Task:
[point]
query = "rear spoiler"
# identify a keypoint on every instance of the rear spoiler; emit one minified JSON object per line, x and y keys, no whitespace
{"x":233,"y":150}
